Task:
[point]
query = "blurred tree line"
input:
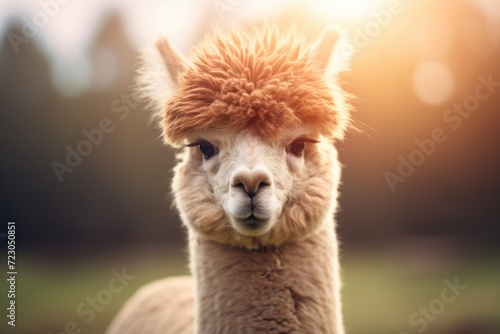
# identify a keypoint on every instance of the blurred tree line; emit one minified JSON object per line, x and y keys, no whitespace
{"x":118,"y":194}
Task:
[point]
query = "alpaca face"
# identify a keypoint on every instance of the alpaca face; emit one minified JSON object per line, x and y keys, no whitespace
{"x":245,"y":190}
{"x":249,"y":180}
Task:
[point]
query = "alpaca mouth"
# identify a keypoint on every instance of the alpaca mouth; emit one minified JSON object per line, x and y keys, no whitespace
{"x":251,"y":218}
{"x":252,"y":223}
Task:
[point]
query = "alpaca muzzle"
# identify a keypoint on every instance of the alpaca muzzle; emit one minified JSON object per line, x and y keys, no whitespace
{"x":251,"y":198}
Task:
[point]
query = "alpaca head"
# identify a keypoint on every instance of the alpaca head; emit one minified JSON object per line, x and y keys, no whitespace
{"x":257,"y":113}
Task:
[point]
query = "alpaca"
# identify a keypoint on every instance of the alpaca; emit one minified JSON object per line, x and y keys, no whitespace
{"x":256,"y":113}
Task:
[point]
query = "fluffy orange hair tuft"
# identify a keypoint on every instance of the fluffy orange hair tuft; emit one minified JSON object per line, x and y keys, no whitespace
{"x":261,"y":80}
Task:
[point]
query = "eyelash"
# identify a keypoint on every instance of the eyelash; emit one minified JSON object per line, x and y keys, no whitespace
{"x":296,"y":147}
{"x":206,"y":148}
{"x":301,"y":142}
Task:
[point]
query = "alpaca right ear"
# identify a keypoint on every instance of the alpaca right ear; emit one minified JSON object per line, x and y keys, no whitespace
{"x":159,"y":75}
{"x":329,"y":53}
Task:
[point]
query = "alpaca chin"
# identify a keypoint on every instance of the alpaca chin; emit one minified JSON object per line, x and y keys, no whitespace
{"x":252,"y":227}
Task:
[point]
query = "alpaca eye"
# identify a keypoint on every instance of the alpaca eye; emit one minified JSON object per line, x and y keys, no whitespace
{"x":208,"y":150}
{"x":298,"y":146}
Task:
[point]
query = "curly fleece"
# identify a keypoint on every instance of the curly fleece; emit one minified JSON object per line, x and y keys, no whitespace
{"x":262,"y":81}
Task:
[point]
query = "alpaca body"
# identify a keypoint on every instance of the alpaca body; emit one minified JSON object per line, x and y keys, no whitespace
{"x":256,"y":186}
{"x":165,"y":306}
{"x":287,"y":289}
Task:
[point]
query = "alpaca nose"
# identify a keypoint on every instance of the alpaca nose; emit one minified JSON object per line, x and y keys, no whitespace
{"x":251,"y":181}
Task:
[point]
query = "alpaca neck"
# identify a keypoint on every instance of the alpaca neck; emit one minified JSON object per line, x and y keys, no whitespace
{"x":293,"y":288}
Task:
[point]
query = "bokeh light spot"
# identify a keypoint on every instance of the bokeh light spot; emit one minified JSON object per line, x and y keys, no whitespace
{"x":71,"y":77}
{"x":433,"y":82}
{"x":490,"y":8}
{"x":104,"y":69}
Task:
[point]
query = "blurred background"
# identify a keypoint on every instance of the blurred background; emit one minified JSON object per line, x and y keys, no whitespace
{"x":420,"y":203}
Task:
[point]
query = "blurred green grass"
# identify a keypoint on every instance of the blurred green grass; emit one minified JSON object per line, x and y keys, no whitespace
{"x":384,"y":292}
{"x":379,"y":294}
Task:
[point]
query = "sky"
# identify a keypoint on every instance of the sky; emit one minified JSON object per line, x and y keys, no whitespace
{"x":66,"y":29}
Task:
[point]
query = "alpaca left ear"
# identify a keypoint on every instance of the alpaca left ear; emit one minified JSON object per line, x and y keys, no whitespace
{"x":326,"y":55}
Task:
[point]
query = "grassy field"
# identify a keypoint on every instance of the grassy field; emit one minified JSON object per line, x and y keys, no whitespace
{"x":380,"y":293}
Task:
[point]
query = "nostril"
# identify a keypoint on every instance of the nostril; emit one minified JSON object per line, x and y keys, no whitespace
{"x":239,"y":185}
{"x":251,"y":192}
{"x":250,"y":183}
{"x":263,"y":184}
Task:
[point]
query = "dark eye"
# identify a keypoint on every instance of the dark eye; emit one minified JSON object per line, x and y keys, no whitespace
{"x":208,"y":150}
{"x":298,"y":145}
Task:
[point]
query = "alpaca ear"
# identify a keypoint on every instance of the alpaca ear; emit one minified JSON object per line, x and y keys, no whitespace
{"x":331,"y":54}
{"x":326,"y":54}
{"x":173,"y":60}
{"x":158,"y":75}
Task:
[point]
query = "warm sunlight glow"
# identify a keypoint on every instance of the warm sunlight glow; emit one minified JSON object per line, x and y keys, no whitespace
{"x":433,"y":82}
{"x":433,"y":37}
{"x":349,"y":10}
{"x":355,"y":9}
{"x":490,"y":8}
